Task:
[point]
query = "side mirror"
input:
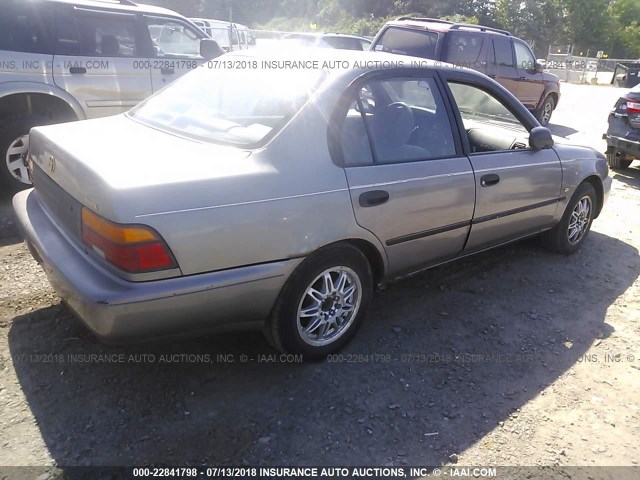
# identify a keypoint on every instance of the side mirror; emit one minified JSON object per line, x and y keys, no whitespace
{"x":209,"y":49}
{"x":538,"y":67}
{"x":540,"y":138}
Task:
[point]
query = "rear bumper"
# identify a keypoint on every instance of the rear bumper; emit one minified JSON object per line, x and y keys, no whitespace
{"x":118,"y":311}
{"x":625,"y":145}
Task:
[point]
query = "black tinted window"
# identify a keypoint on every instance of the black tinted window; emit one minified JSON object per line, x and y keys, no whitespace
{"x":405,"y":41}
{"x":25,"y":27}
{"x":463,"y":48}
{"x":91,"y":33}
{"x":503,"y":53}
{"x":344,"y":43}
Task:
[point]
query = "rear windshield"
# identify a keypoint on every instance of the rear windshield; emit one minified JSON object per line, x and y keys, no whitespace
{"x":231,"y":107}
{"x":405,"y":41}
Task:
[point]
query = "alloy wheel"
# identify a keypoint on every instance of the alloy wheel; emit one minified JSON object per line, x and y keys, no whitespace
{"x":16,"y":159}
{"x":329,"y":306}
{"x":579,"y":220}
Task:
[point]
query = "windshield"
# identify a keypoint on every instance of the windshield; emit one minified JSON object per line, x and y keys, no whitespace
{"x":234,"y":107}
{"x":405,"y":41}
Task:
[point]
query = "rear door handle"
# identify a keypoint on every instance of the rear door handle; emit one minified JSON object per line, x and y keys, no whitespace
{"x":77,"y":70}
{"x":167,"y":71}
{"x":489,"y":180}
{"x":374,"y":198}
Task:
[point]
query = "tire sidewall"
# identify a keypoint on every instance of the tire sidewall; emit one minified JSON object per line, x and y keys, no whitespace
{"x":547,"y":100}
{"x":284,"y":318}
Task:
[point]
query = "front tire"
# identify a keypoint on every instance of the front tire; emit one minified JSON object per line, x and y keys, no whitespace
{"x":569,"y":234}
{"x":14,"y":145}
{"x":545,"y":111}
{"x":322,"y":304}
{"x":618,"y":160}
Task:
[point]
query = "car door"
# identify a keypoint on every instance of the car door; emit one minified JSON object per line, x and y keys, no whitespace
{"x":409,"y":182}
{"x":99,"y":59}
{"x":501,"y":63}
{"x":176,"y":49}
{"x":530,"y":82}
{"x":518,"y":189}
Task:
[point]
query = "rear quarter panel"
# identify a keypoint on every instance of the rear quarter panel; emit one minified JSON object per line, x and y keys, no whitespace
{"x":299,"y":204}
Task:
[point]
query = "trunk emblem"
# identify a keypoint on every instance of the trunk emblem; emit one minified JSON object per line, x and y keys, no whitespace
{"x":52,"y":164}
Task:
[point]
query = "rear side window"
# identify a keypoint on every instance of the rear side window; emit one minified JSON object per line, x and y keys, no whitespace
{"x":403,"y":119}
{"x":417,"y":43}
{"x":93,"y":33}
{"x":503,"y":52}
{"x":463,"y":49}
{"x":26,"y":27}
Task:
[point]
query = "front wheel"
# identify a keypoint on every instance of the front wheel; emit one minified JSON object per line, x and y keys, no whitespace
{"x":568,"y":235}
{"x":546,"y":109}
{"x":323,"y":302}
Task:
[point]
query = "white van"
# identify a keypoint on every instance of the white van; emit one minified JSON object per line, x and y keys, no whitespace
{"x":230,"y":36}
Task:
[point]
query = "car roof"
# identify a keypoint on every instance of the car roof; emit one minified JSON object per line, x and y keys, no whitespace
{"x":119,"y":5}
{"x":444,"y":26}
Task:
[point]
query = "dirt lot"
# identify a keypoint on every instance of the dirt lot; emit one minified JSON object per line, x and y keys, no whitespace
{"x":514,"y":357}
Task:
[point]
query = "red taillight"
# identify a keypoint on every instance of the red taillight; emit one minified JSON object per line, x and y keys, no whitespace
{"x":632,"y":107}
{"x":134,"y":249}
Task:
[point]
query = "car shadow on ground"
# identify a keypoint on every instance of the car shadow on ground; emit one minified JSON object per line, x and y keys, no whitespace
{"x":561,"y":130}
{"x":441,"y":360}
{"x":9,"y":233}
{"x":629,"y":176}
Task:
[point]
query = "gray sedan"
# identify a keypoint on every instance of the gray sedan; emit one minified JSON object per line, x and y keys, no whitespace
{"x":279,"y":198}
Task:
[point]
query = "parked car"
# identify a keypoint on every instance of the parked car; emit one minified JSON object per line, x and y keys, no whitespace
{"x":66,"y":60}
{"x":230,"y":36}
{"x":278,"y":199}
{"x":623,"y":135}
{"x":328,"y":40}
{"x":496,"y":53}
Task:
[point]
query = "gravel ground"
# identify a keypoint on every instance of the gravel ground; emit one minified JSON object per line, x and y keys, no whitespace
{"x":513,"y":357}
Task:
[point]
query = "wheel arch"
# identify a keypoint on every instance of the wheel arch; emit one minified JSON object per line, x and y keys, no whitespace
{"x":34,"y":99}
{"x":596,"y":183}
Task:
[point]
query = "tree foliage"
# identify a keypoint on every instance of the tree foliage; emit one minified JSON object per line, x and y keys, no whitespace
{"x":608,"y":25}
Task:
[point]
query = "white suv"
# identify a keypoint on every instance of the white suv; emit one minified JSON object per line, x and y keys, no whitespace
{"x":63,"y":60}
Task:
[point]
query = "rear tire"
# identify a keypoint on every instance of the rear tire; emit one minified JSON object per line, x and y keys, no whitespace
{"x":569,"y":234}
{"x":618,"y":160}
{"x":322,"y":304}
{"x":14,"y":144}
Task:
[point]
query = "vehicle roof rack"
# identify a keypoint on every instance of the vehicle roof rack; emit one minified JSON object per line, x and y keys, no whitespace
{"x":424,"y":19}
{"x":121,"y":2}
{"x":458,"y":26}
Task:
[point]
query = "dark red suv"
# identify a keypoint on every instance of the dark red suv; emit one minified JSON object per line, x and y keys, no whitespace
{"x":494,"y":52}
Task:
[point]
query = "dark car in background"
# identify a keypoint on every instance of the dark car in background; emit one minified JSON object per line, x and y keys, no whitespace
{"x":623,"y":136}
{"x":496,"y":53}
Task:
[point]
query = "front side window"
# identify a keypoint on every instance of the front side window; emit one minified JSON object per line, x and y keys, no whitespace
{"x":231,"y":107}
{"x":489,"y":125}
{"x":405,"y":41}
{"x":403,"y":119}
{"x":524,"y":57}
{"x":173,"y":39}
